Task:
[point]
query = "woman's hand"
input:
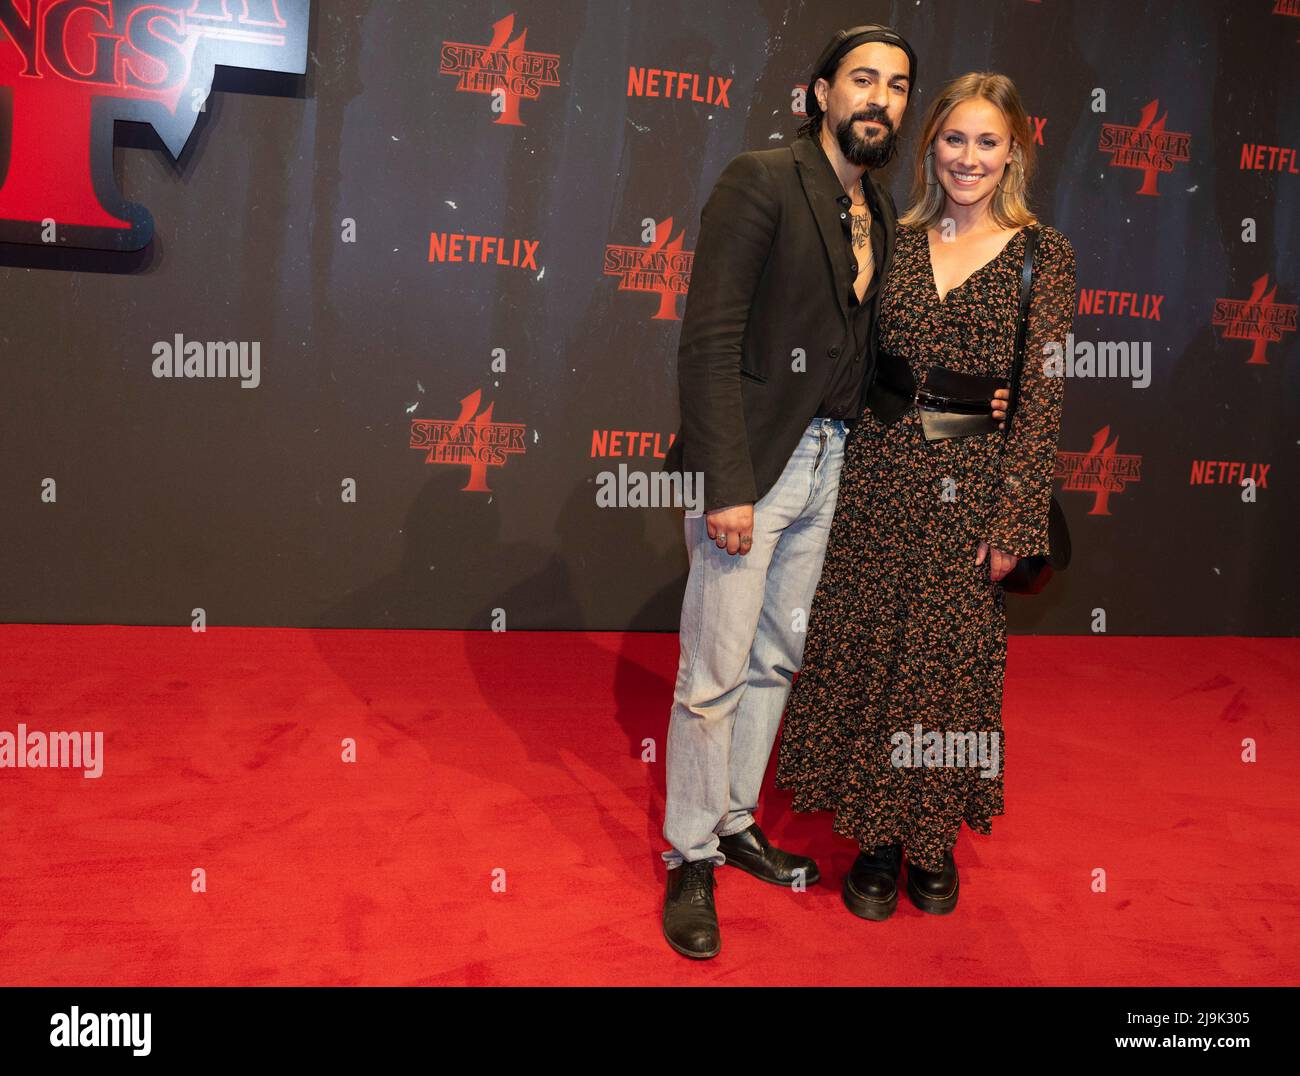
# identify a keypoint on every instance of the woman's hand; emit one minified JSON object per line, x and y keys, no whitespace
{"x":999,"y":563}
{"x":1001,"y":397}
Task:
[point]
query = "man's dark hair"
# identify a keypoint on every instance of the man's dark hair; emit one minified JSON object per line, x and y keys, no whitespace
{"x":832,"y":57}
{"x":812,"y":125}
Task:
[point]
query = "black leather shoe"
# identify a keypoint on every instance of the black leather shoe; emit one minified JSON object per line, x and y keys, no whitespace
{"x":755,"y":854}
{"x":690,"y":918}
{"x":932,"y":892}
{"x":871,"y":886}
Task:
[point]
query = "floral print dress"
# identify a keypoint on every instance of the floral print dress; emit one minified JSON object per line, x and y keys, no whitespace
{"x":905,"y":630}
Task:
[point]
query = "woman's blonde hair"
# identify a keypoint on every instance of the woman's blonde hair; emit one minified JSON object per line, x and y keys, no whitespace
{"x":1009,"y":205}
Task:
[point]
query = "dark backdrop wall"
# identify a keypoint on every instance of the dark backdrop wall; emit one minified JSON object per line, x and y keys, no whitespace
{"x":474,"y":403}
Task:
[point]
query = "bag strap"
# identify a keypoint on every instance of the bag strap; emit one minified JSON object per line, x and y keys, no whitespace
{"x":1018,"y":363}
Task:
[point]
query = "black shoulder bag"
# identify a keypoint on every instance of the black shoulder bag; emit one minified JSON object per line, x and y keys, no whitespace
{"x":1031,"y":574}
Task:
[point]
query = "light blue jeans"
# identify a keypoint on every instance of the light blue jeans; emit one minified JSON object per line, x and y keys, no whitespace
{"x":742,"y":636}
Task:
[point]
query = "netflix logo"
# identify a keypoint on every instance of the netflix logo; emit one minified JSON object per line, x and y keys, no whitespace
{"x":605,"y":443}
{"x":652,"y":82}
{"x":1098,"y":301}
{"x":494,"y":249}
{"x":1256,"y":157}
{"x":1226,"y":473}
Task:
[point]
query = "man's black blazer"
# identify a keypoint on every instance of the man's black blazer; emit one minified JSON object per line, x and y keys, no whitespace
{"x":770,"y":280}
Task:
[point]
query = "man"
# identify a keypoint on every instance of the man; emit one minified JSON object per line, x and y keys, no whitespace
{"x":776,"y":352}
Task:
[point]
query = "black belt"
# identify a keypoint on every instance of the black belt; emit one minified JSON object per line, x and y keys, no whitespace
{"x":953,"y":404}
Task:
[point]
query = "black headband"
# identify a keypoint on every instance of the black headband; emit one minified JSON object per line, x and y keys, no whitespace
{"x":845,"y":40}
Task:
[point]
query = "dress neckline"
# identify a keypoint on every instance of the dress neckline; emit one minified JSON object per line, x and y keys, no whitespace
{"x":929,"y":265}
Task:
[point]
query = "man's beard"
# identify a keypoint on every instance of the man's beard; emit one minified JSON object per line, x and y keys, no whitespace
{"x":860,"y":152}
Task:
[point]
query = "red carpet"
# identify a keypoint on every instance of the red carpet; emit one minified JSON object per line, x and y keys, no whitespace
{"x":520,"y":753}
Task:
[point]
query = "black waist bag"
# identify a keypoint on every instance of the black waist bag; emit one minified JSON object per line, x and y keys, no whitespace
{"x":951,"y":403}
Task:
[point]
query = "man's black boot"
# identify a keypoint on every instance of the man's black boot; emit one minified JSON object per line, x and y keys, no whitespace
{"x":871,"y":886}
{"x":755,"y":854}
{"x":931,"y":891}
{"x":690,"y":918}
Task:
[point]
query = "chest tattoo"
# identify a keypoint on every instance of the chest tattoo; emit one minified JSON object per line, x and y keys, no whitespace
{"x":861,"y":236}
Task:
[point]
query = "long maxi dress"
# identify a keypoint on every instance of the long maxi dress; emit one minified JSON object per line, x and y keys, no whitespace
{"x":905,"y":629}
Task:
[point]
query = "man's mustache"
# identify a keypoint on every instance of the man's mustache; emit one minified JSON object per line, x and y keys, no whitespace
{"x":875,"y":116}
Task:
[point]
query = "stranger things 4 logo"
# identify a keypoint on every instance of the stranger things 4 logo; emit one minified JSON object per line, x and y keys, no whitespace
{"x":69,"y":69}
{"x":473,"y":439}
{"x":505,"y":69}
{"x":1260,"y":318}
{"x":662,"y":268}
{"x":1100,"y":471}
{"x":1148,"y":147}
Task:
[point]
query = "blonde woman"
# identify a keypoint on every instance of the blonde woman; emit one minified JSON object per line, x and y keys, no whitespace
{"x":894,"y":722}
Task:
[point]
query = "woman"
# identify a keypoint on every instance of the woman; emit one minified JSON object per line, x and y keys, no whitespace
{"x":908,"y":626}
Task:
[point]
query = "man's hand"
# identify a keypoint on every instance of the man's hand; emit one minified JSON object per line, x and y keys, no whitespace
{"x":732,"y":528}
{"x":999,"y":563}
{"x":999,"y":405}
